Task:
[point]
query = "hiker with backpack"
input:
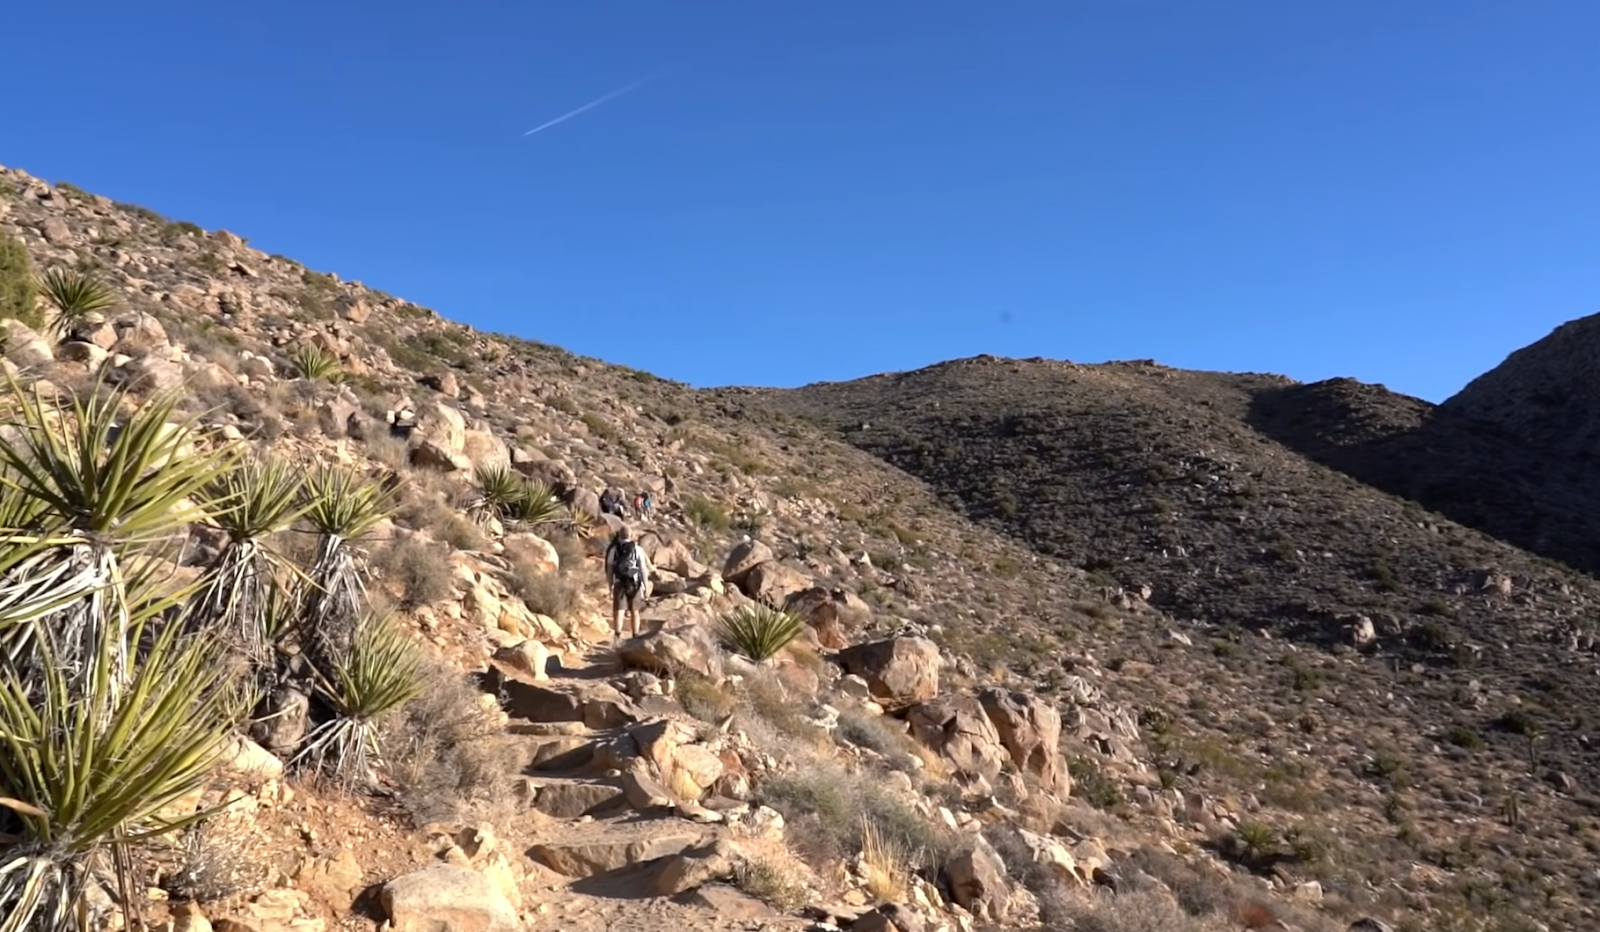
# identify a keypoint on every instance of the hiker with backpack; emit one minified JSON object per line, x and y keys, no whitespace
{"x":628,"y":572}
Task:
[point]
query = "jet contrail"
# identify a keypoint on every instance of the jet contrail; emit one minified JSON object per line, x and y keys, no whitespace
{"x":595,"y":103}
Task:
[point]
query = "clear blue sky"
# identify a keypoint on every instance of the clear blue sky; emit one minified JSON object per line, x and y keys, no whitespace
{"x":822,"y":189}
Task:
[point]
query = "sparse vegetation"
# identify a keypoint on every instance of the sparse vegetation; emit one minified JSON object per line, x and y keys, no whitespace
{"x":19,"y":299}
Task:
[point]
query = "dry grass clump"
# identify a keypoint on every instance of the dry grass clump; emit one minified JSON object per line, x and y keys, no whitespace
{"x":885,"y":862}
{"x":553,"y":594}
{"x":864,"y":730}
{"x":448,"y":755}
{"x":773,"y":881}
{"x":833,"y":814}
{"x":419,"y":568}
{"x":218,"y":859}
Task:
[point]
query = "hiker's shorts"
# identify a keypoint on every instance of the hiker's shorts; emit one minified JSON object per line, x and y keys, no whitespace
{"x":622,"y":599}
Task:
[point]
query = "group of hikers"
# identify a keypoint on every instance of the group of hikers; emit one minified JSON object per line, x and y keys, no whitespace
{"x":613,"y":502}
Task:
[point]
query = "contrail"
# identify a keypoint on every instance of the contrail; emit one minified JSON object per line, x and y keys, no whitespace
{"x":595,"y":103}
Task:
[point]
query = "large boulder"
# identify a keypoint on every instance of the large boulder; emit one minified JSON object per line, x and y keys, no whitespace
{"x":532,"y":549}
{"x":828,"y":612}
{"x":685,"y":648}
{"x":1030,"y":730}
{"x":957,"y":728}
{"x":744,"y":557}
{"x":899,"y":671}
{"x":978,"y":882}
{"x":772,"y":583}
{"x":447,"y":898}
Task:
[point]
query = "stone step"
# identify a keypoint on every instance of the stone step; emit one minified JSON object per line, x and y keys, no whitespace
{"x":594,"y":848}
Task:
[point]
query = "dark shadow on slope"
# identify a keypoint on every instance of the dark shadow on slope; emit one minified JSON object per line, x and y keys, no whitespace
{"x":1469,"y":471}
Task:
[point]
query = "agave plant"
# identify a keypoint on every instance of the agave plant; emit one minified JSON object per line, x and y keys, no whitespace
{"x":499,"y":489}
{"x":315,"y":363}
{"x":342,"y":507}
{"x":89,"y":767}
{"x":113,"y":486}
{"x":73,"y":296}
{"x":758,"y":631}
{"x":251,"y":502}
{"x":381,"y":673}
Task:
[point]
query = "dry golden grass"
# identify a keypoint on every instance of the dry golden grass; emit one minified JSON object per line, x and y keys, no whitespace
{"x":885,"y":864}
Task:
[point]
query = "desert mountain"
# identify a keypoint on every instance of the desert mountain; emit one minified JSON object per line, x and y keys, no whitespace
{"x":1113,"y":647}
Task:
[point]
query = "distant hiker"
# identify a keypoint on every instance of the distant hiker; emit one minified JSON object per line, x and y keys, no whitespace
{"x":611,"y":503}
{"x":628,"y":572}
{"x":638,"y":504}
{"x":647,"y":504}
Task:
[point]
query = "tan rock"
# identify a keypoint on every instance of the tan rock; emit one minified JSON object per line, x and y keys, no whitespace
{"x":898,"y":671}
{"x":447,"y":898}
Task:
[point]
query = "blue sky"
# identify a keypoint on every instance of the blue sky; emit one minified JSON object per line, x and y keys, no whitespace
{"x":818,"y":190}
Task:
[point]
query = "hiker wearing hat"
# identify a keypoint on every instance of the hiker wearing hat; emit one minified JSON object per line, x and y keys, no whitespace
{"x":628,"y":572}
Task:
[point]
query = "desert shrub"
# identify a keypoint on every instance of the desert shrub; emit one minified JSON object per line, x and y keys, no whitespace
{"x":830,"y":812}
{"x":1091,"y":783}
{"x":769,"y":880}
{"x":704,"y":699}
{"x":315,"y":363}
{"x":547,"y":593}
{"x":1463,"y":737}
{"x":871,"y":732}
{"x":707,"y":513}
{"x":217,"y":859}
{"x":1253,"y":844}
{"x":19,"y":298}
{"x":447,"y":754}
{"x":569,"y":551}
{"x":461,"y":533}
{"x":422,"y":570}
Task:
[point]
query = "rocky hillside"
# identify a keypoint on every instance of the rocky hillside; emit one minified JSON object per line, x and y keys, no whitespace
{"x":1083,"y":647}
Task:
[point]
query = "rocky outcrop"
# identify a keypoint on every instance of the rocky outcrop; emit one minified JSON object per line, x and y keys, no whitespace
{"x":957,"y":728}
{"x":1030,"y":730}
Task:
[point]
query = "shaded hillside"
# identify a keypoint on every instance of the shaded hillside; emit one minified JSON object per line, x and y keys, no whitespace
{"x":1528,"y":489}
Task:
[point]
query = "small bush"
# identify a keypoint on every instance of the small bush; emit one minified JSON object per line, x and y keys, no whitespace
{"x":1463,"y":737}
{"x":1093,"y":785}
{"x":550,"y":594}
{"x":448,"y":756}
{"x":769,"y":881}
{"x":19,"y":297}
{"x":871,"y":732}
{"x":421,"y":570}
{"x":829,"y":812}
{"x":218,"y":860}
{"x":704,"y":699}
{"x":707,"y":514}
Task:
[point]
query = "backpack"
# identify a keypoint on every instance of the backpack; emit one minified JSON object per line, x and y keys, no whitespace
{"x":627,"y":567}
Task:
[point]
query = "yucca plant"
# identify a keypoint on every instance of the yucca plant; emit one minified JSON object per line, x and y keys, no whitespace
{"x":88,"y":769}
{"x":758,"y":631}
{"x":315,"y":363}
{"x":381,"y":673}
{"x":115,"y":485}
{"x":499,"y":489}
{"x":250,"y":502}
{"x":72,"y":297}
{"x":342,"y":507}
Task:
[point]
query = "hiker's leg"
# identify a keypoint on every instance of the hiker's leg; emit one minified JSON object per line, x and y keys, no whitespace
{"x":616,"y":610}
{"x":633,"y":612}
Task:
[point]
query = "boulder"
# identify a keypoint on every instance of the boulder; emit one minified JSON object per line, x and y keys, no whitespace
{"x":573,"y":798}
{"x":957,"y":728}
{"x":603,"y":849}
{"x":689,"y":870}
{"x":532,"y":549}
{"x":153,"y":374}
{"x":826,"y":612}
{"x":890,"y":917}
{"x":685,"y":648}
{"x":528,"y":658}
{"x":1369,"y":924}
{"x":250,"y":760}
{"x":24,"y":347}
{"x":744,"y":557}
{"x":431,"y":454}
{"x":1030,"y":730}
{"x":899,"y":671}
{"x":447,"y":898}
{"x":978,"y":882}
{"x":595,"y":704}
{"x":772,"y":583}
